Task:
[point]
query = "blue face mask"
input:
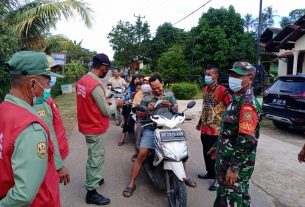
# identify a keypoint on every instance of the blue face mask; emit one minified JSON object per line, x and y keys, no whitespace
{"x":46,"y":95}
{"x":208,"y":79}
{"x":52,"y":81}
{"x":235,"y":84}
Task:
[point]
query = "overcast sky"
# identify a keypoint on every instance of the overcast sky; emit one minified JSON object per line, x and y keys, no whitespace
{"x":107,"y":14}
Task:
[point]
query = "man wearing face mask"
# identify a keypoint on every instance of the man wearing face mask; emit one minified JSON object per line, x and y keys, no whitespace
{"x":49,"y":113}
{"x":235,"y":150}
{"x":215,"y":99}
{"x":93,"y":122}
{"x":28,"y":175}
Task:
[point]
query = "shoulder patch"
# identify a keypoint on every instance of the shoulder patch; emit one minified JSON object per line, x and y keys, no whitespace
{"x":42,"y":150}
{"x":42,"y":113}
{"x":248,"y":120}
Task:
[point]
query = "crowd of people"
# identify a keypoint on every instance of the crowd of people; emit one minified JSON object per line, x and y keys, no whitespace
{"x":33,"y":143}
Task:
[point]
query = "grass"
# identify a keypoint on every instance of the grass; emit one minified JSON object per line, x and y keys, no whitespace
{"x":67,"y":108}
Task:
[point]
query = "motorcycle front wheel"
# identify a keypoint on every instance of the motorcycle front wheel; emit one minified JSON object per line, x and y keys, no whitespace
{"x":177,"y":196}
{"x":118,"y":117}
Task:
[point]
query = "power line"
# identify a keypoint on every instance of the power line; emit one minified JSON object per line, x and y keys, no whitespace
{"x":192,"y":12}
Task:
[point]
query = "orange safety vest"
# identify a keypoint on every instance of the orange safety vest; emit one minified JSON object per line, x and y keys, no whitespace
{"x":90,"y":119}
{"x":14,"y":119}
{"x":59,"y":129}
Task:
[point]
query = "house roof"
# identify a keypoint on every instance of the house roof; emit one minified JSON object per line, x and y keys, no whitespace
{"x":268,"y":34}
{"x":287,"y":37}
{"x":286,"y":54}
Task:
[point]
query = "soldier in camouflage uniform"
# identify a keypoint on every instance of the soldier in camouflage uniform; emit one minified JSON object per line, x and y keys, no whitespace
{"x":235,"y":150}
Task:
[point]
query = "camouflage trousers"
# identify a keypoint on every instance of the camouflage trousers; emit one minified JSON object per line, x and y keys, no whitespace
{"x":238,"y":194}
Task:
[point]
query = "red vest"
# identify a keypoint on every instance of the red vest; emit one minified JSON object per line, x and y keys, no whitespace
{"x":90,"y":119}
{"x":13,"y":121}
{"x":59,"y":130}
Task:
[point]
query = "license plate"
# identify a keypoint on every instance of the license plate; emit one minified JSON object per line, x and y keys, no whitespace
{"x":172,"y":136}
{"x":279,"y":102}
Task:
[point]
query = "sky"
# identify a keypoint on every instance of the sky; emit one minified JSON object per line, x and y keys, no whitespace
{"x":106,"y":15}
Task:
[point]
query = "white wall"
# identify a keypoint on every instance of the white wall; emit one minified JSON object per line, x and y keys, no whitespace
{"x":282,"y":69}
{"x":300,"y":43}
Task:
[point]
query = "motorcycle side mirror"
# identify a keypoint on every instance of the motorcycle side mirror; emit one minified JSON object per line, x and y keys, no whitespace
{"x":191,"y":104}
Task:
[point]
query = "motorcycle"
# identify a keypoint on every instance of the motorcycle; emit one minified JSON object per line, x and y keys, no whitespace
{"x":164,"y":165}
{"x":118,"y":93}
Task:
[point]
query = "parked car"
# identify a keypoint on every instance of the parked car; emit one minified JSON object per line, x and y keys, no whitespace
{"x":284,"y":102}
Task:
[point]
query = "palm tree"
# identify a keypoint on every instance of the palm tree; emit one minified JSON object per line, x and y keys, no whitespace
{"x":33,"y":20}
{"x":248,"y":22}
{"x":267,"y":18}
{"x":269,"y":14}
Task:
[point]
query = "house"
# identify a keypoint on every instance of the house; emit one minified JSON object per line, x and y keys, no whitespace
{"x":289,"y":46}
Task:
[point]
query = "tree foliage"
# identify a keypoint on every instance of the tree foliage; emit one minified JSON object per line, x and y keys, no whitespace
{"x":294,"y":15}
{"x":166,"y":36}
{"x":72,"y":49}
{"x":128,"y":41}
{"x":32,"y":20}
{"x":220,"y":39}
{"x":8,"y":42}
{"x":172,"y":65}
{"x":249,"y":23}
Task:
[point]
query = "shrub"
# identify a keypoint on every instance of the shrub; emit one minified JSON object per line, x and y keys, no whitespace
{"x":74,"y":71}
{"x":184,"y":91}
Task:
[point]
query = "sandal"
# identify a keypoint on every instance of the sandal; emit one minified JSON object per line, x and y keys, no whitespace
{"x":134,"y":157}
{"x":128,"y":191}
{"x":120,"y":143}
{"x":190,"y":183}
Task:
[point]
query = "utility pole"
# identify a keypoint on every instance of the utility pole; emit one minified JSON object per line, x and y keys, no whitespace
{"x":138,"y":31}
{"x":259,"y":33}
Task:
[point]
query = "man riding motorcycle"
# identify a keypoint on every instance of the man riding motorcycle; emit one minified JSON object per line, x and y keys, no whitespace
{"x":150,"y":102}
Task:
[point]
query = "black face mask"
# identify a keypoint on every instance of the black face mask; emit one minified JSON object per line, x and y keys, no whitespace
{"x":104,"y":74}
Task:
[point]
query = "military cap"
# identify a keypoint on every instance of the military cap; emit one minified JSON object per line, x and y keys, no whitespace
{"x":30,"y":63}
{"x":244,"y":69}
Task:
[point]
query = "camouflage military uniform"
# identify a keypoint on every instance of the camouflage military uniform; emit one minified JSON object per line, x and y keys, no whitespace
{"x":237,"y":149}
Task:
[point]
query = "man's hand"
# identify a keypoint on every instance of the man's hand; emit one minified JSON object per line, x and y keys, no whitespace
{"x":119,"y":102}
{"x":231,"y":177}
{"x":151,"y":106}
{"x":213,"y":152}
{"x":301,"y":155}
{"x":109,"y":101}
{"x":64,"y":175}
{"x":166,"y":103}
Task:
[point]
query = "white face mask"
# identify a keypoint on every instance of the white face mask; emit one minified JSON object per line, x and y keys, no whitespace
{"x":235,"y":84}
{"x":52,"y":81}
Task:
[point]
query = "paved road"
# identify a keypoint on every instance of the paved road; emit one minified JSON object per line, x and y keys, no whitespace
{"x":117,"y":173}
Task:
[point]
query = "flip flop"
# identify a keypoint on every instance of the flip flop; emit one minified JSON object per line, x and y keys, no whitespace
{"x":121,"y":143}
{"x":128,"y":191}
{"x":134,"y":157}
{"x":190,"y":183}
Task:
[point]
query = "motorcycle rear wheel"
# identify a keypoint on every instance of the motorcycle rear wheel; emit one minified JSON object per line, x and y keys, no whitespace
{"x":177,"y":196}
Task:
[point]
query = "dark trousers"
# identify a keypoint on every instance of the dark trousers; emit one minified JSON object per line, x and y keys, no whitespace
{"x":207,"y":143}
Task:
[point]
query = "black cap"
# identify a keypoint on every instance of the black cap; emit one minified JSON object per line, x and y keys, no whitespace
{"x":100,"y":59}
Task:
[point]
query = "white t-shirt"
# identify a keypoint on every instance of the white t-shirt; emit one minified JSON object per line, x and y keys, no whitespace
{"x":117,"y":82}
